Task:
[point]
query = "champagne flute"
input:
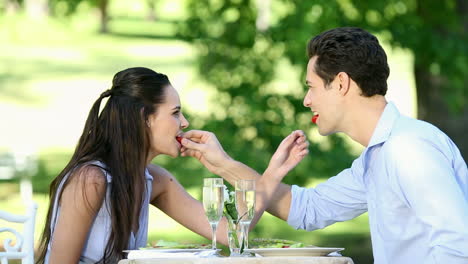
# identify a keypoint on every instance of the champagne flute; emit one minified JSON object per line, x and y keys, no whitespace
{"x":213,"y":203}
{"x":245,"y":205}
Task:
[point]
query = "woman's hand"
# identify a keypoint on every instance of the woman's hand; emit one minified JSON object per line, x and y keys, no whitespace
{"x":204,"y":146}
{"x":289,"y":153}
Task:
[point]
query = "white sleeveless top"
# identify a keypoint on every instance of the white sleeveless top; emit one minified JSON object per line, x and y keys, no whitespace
{"x":98,"y":236}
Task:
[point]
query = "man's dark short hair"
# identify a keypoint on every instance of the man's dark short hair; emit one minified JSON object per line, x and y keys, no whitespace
{"x":354,"y":51}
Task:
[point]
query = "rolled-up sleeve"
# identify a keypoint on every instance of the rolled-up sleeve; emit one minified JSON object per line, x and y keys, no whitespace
{"x":340,"y":198}
{"x":299,"y":200}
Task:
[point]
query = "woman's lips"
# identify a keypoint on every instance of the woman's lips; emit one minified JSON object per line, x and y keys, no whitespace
{"x":179,"y":139}
{"x":314,"y":118}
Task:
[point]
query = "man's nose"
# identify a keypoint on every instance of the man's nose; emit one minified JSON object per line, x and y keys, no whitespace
{"x":307,"y":100}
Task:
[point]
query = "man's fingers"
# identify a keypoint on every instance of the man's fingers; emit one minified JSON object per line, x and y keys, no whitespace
{"x":304,"y":144}
{"x":304,"y":152}
{"x":190,"y":153}
{"x":301,"y":139}
{"x":195,"y":134}
{"x":289,"y":140}
{"x":189,"y":144}
{"x":196,"y":140}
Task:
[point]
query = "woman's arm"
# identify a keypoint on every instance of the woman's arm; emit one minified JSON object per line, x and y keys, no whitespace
{"x":171,"y":198}
{"x":80,"y":202}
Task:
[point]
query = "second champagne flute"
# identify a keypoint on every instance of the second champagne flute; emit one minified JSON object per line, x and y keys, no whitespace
{"x":213,"y":203}
{"x":245,"y":205}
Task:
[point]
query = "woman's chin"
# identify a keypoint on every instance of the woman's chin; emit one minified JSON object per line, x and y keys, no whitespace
{"x":174,"y":154}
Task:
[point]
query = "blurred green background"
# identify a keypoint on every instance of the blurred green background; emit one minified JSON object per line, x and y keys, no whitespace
{"x":239,"y":68}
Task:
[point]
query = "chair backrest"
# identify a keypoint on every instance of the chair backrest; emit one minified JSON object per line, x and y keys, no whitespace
{"x":24,"y":246}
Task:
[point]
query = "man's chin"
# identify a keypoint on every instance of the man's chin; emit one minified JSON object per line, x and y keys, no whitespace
{"x":324,"y":132}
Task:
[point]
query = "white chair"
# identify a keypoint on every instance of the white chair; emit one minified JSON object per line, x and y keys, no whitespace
{"x":24,"y":245}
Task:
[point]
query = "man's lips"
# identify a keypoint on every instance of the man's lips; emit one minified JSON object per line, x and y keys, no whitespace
{"x":314,"y":118}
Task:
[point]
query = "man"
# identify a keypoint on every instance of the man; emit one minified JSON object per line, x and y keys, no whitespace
{"x":411,"y":178}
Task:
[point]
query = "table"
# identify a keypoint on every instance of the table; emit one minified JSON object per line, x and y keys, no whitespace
{"x":255,"y":260}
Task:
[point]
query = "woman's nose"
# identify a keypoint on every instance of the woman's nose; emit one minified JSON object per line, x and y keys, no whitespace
{"x":184,"y":122}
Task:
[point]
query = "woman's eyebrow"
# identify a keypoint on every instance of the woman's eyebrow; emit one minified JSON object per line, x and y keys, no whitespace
{"x":176,"y":107}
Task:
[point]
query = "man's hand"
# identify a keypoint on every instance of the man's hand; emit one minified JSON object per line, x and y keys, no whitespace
{"x":204,"y":146}
{"x":289,"y":153}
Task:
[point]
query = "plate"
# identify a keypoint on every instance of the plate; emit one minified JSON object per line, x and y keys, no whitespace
{"x":298,"y":252}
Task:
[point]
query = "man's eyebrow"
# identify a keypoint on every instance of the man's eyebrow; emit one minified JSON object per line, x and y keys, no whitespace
{"x":176,"y":107}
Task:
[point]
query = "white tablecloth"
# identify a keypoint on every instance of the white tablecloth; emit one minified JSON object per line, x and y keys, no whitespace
{"x":253,"y":260}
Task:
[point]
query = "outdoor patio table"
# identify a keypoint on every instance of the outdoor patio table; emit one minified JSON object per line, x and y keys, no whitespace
{"x":237,"y":260}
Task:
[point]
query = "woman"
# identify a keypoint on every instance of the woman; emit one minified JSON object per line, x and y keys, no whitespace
{"x":99,"y":202}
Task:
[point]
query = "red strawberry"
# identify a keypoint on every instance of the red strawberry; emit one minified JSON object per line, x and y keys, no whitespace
{"x":314,"y":119}
{"x":179,"y":139}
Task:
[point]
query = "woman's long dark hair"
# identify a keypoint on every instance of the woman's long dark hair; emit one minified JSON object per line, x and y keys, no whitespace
{"x":118,"y":137}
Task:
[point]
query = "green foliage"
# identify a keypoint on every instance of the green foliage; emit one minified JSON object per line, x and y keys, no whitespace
{"x":230,"y":212}
{"x":49,"y":165}
{"x":241,"y":62}
{"x":435,"y":31}
{"x":61,"y":8}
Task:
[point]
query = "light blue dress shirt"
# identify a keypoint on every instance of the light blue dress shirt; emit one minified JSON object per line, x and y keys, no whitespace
{"x":413,"y":182}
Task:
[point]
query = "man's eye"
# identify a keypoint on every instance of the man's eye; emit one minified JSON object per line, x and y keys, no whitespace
{"x":177,"y":113}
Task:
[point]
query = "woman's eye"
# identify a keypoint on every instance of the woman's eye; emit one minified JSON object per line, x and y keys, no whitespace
{"x":176,"y":113}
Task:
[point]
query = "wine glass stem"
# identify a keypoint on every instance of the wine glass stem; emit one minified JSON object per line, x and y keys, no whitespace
{"x":245,"y":234}
{"x":214,"y":226}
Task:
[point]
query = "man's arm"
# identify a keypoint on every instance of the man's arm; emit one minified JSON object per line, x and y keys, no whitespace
{"x":205,"y":147}
{"x":280,"y":203}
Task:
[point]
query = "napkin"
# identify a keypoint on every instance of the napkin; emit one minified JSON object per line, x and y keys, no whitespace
{"x":175,"y":253}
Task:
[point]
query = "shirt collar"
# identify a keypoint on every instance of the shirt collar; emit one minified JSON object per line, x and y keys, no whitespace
{"x":385,"y":125}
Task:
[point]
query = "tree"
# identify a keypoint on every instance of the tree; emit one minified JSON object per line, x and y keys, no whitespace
{"x":435,"y":31}
{"x":151,"y":4}
{"x":252,"y":118}
{"x":37,"y":9}
{"x":71,"y":6}
{"x":240,"y":61}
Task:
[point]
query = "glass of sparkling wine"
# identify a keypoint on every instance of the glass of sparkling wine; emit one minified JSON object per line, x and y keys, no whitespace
{"x":245,"y":205}
{"x":213,"y":202}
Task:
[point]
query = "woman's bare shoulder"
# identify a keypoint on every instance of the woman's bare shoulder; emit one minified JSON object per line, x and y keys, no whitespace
{"x":88,"y":184}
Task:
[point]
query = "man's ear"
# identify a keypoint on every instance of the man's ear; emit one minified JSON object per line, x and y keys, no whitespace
{"x":344,"y":82}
